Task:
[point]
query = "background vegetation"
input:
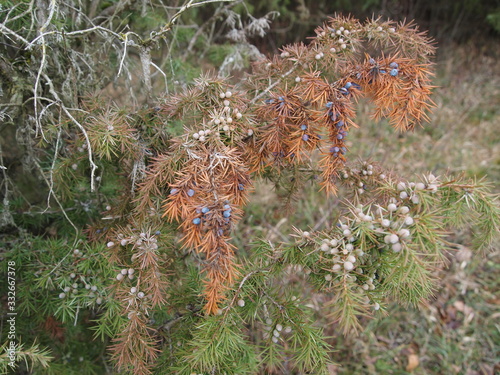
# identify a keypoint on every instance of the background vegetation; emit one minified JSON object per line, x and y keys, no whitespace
{"x":455,"y":333}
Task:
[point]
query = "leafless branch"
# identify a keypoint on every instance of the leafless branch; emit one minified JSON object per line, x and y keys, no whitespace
{"x":51,"y":176}
{"x":6,"y":30}
{"x":273,"y":85}
{"x":93,"y":166}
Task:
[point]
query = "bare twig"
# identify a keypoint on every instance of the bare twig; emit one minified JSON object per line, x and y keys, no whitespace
{"x":271,"y":86}
{"x":191,"y":4}
{"x":6,"y":30}
{"x":77,"y":33}
{"x":168,"y":26}
{"x":125,"y":44}
{"x":62,"y":210}
{"x":52,"y":8}
{"x":51,"y":178}
{"x":93,"y":166}
{"x":210,"y":21}
{"x":20,"y":15}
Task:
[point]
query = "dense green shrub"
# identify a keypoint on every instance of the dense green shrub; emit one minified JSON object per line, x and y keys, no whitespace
{"x":119,"y":220}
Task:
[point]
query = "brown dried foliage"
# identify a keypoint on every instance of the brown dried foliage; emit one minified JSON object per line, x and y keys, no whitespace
{"x":206,"y":198}
{"x":305,"y":97}
{"x":139,"y":292}
{"x":303,"y":101}
{"x":207,"y":177}
{"x":304,"y":104}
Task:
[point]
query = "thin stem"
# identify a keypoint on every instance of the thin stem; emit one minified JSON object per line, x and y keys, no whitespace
{"x":51,"y":178}
{"x":93,"y":166}
{"x":270,"y":87}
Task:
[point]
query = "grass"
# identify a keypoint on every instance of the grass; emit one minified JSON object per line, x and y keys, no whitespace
{"x":456,"y":332}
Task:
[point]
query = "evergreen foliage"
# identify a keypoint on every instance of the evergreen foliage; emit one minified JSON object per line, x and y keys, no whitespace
{"x":140,"y":269}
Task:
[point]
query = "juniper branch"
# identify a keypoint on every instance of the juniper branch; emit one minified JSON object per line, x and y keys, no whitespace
{"x":273,"y":85}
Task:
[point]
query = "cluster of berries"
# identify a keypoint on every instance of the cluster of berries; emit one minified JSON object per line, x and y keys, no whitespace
{"x":394,"y":69}
{"x":359,"y":176}
{"x":331,"y":114}
{"x":224,"y":119}
{"x":228,"y":115}
{"x":335,"y":150}
{"x":393,"y":225}
{"x":125,"y":272}
{"x":343,"y":251}
{"x":73,"y":289}
{"x":205,"y":213}
{"x":226,"y":213}
{"x":277,"y":330}
{"x":380,"y":29}
{"x":280,"y":104}
{"x":305,"y":136}
{"x":367,"y":170}
{"x":201,"y":135}
{"x":82,"y":149}
{"x":409,"y":191}
{"x":143,"y":241}
{"x":345,"y":90}
{"x":133,"y":292}
{"x":337,"y":35}
{"x":338,"y":148}
{"x":347,"y":260}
